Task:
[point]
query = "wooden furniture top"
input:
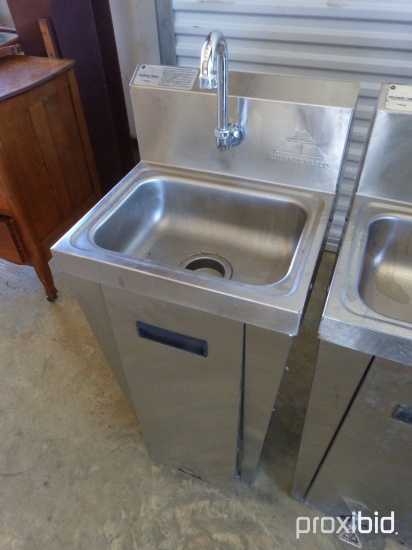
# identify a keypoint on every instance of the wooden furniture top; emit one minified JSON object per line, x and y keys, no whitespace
{"x":20,"y":73}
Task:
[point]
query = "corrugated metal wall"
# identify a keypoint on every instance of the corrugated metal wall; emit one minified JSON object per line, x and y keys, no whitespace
{"x":367,"y":42}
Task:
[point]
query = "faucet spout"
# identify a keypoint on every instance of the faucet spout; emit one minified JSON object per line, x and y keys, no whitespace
{"x":214,"y":74}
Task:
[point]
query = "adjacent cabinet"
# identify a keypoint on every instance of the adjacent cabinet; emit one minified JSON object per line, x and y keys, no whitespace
{"x":48,"y":178}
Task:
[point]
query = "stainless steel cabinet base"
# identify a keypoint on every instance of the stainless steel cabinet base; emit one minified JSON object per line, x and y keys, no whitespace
{"x":202,"y":411}
{"x":184,"y":371}
{"x":266,"y":353}
{"x":338,"y":373}
{"x":368,"y":467}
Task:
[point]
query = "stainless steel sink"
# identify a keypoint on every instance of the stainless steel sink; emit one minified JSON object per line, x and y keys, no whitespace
{"x":213,"y":229}
{"x":367,"y":316}
{"x":385,"y":281}
{"x":369,"y":304}
{"x":195,"y":270}
{"x":214,"y":257}
{"x":359,"y":411}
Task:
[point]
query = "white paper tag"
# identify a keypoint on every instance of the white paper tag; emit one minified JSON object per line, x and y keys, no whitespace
{"x":399,"y":98}
{"x":178,"y":78}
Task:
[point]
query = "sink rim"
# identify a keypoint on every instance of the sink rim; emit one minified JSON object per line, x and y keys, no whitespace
{"x":274,"y":306}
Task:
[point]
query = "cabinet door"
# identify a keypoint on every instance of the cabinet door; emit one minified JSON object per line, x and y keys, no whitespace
{"x":183,"y":368}
{"x":368,"y":467}
{"x":44,"y":157}
{"x":58,"y":125}
{"x":24,"y":166}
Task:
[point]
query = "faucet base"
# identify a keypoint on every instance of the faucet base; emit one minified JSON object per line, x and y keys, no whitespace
{"x":229,"y":137}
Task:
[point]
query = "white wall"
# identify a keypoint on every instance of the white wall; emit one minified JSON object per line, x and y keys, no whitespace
{"x":137,"y":41}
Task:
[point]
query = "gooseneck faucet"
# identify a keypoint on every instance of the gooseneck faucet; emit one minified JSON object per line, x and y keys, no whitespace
{"x":214,"y":74}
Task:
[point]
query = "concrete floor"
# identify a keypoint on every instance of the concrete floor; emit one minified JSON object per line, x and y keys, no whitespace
{"x":74,"y":472}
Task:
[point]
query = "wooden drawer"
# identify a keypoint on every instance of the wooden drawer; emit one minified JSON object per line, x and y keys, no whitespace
{"x":11,"y":246}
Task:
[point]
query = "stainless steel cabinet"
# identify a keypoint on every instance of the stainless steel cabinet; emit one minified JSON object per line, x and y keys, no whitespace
{"x":202,"y":386}
{"x":184,"y":372}
{"x":368,"y":467}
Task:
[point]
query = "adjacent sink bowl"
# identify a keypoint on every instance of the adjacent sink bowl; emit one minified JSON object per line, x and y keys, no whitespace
{"x":214,"y":230}
{"x":369,"y":306}
{"x":385,"y":281}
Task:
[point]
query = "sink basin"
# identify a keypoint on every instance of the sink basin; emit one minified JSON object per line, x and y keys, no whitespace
{"x":369,"y":307}
{"x":242,"y":249}
{"x":385,"y":282}
{"x":212,"y":229}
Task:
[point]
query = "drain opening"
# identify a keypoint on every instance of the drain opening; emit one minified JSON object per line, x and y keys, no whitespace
{"x":208,"y":264}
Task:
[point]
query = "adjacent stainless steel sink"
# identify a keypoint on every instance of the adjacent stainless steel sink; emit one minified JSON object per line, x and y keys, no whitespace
{"x":369,"y":307}
{"x":213,"y":229}
{"x":359,"y":408}
{"x":385,"y":281}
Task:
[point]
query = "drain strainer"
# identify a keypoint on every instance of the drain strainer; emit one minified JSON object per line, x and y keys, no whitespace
{"x":208,"y":264}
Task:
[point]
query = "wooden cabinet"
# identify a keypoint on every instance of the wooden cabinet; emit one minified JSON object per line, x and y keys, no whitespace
{"x":47,"y":174}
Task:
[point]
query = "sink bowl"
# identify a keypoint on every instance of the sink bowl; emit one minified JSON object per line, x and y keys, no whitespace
{"x":369,"y":306}
{"x":212,"y":229}
{"x":242,"y":249}
{"x":385,"y":282}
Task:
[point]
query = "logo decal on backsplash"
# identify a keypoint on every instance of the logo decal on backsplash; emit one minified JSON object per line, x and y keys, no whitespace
{"x":300,"y":148}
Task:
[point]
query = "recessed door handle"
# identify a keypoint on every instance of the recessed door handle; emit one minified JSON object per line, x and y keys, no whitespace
{"x":172,"y":339}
